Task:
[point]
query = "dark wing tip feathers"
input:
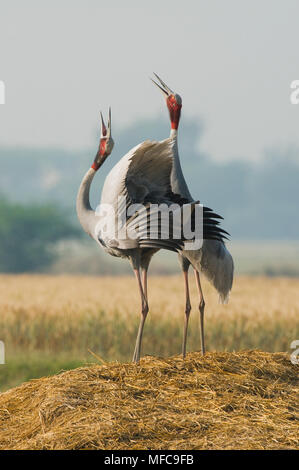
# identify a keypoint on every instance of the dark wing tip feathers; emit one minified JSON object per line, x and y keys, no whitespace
{"x":211,"y":228}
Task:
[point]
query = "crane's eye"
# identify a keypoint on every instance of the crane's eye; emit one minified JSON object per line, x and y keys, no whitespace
{"x":172,"y":101}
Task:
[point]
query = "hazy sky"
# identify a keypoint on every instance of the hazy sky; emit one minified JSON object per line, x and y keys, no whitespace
{"x":232,"y":62}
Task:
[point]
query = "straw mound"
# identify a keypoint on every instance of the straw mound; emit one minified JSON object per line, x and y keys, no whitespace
{"x":243,"y":400}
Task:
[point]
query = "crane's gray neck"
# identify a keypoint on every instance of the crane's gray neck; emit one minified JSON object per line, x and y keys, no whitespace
{"x":86,"y":215}
{"x":178,"y":183}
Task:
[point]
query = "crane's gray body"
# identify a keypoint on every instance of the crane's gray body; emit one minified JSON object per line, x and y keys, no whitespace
{"x":147,"y":173}
{"x":141,"y":176}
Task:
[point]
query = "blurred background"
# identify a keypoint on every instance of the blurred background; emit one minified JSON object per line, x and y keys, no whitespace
{"x":62,"y":62}
{"x":232,"y":62}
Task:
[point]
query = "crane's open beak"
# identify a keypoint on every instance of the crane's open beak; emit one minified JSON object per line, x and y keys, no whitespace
{"x":103,"y":127}
{"x":106,"y":132}
{"x":109,"y":123}
{"x":163,"y":87}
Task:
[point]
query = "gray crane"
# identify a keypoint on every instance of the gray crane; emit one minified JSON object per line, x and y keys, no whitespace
{"x":119,"y":225}
{"x":213,"y":258}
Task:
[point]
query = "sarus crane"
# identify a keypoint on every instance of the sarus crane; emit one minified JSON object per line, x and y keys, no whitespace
{"x":132,"y":194}
{"x":213,"y":258}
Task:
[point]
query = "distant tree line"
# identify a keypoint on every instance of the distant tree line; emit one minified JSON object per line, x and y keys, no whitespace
{"x":258,"y":200}
{"x":28,"y":234}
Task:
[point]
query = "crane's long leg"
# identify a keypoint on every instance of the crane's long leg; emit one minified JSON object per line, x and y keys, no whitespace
{"x":144,"y":282}
{"x":145,"y":260}
{"x":144,"y":312}
{"x":201,"y":310}
{"x":187,"y":311}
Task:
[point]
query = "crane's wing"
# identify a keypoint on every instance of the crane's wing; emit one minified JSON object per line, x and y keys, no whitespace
{"x":143,"y":171}
{"x":141,"y":179}
{"x":149,"y":170}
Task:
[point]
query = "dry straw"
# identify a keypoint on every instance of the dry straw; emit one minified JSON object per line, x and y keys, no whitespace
{"x":244,"y":400}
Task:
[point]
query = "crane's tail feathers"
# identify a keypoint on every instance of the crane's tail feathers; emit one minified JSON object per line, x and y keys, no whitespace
{"x":218,"y":266}
{"x":215,"y":262}
{"x":223,"y":299}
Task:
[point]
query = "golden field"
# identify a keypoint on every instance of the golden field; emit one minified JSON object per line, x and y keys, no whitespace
{"x":241,"y":394}
{"x":50,"y":323}
{"x":73,"y":313}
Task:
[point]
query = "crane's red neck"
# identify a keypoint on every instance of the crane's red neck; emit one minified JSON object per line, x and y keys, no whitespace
{"x":101,"y":154}
{"x":174,"y":109}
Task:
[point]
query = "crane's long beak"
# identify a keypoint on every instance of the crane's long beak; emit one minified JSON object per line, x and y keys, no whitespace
{"x":103,"y":127}
{"x":109,"y":123}
{"x":106,"y":132}
{"x":163,"y":87}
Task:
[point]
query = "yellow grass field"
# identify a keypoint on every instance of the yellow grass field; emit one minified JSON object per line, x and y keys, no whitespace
{"x":242,"y":394}
{"x":50,"y":323}
{"x":73,"y":313}
{"x":57,"y":312}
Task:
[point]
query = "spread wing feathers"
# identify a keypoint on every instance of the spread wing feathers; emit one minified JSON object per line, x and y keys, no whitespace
{"x":148,"y":175}
{"x":143,"y":179}
{"x":144,"y":172}
{"x":157,"y":227}
{"x":211,"y":229}
{"x":143,"y":176}
{"x":211,"y":220}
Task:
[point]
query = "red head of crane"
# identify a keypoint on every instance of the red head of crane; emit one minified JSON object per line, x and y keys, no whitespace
{"x":173,"y":102}
{"x":106,"y":144}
